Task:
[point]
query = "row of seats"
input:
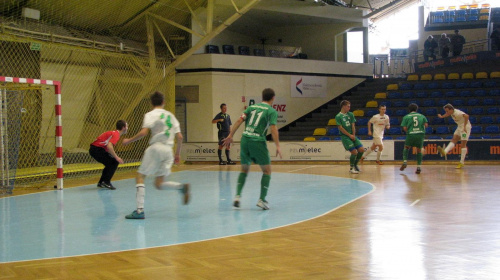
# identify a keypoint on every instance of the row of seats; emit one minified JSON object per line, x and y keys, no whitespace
{"x":401,"y":137}
{"x":431,"y":115}
{"x":245,"y":50}
{"x":437,"y":94}
{"x":444,"y":85}
{"x":397,"y":130}
{"x":427,"y":102}
{"x":475,"y":111}
{"x":452,"y":76}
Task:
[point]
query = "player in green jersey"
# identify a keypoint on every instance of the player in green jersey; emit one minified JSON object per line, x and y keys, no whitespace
{"x":345,"y":121}
{"x":414,"y":124}
{"x":258,"y":118}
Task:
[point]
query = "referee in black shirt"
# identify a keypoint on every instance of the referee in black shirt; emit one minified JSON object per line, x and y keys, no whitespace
{"x":223,"y":122}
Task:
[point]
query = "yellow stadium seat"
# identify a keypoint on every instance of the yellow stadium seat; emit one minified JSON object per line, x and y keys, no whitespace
{"x":319,"y":131}
{"x":484,"y":11}
{"x":371,"y":104}
{"x":380,"y":95}
{"x":453,"y":76}
{"x":426,"y":77}
{"x":359,"y":113}
{"x":332,"y":122}
{"x":467,"y":76}
{"x":484,"y":17}
{"x":495,"y":75}
{"x":439,"y":76}
{"x":481,"y":75}
{"x":392,"y":87}
{"x":309,"y":139}
{"x":413,"y":77}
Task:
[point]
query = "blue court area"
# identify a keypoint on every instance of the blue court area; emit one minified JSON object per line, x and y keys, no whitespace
{"x":89,"y":220}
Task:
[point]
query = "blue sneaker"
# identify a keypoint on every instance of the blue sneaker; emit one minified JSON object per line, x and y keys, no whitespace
{"x":135,"y":215}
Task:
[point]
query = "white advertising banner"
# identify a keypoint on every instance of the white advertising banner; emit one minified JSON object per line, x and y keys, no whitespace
{"x":291,"y":151}
{"x":308,"y":86}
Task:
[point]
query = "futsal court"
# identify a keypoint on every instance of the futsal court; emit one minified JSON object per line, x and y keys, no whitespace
{"x":323,"y":224}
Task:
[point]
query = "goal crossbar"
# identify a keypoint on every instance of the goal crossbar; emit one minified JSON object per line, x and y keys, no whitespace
{"x":58,"y":118}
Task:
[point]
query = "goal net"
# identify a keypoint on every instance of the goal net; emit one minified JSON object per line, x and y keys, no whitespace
{"x":30,"y":140}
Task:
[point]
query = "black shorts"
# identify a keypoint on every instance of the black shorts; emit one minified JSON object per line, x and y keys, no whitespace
{"x":222,"y":135}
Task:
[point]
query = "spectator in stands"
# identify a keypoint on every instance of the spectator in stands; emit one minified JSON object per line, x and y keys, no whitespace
{"x":380,"y":124}
{"x":430,"y":46}
{"x":444,"y":45}
{"x":462,"y":132}
{"x":102,"y":150}
{"x":457,"y":43}
{"x":414,"y":125}
{"x":495,"y":38}
{"x":345,"y":121}
{"x":223,"y":121}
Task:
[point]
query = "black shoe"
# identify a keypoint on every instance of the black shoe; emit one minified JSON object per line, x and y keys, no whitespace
{"x":230,"y":162}
{"x":108,"y":186}
{"x":418,"y":170}
{"x":222,"y":162}
{"x":99,"y":185}
{"x":402,"y":167}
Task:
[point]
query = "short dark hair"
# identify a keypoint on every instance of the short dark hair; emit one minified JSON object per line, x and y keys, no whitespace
{"x":449,"y":106}
{"x":222,"y":105}
{"x":157,"y":98}
{"x":268,"y":94}
{"x":120,"y":124}
{"x":344,"y":102}
{"x":413,"y":107}
{"x":456,"y":30}
{"x":381,"y":105}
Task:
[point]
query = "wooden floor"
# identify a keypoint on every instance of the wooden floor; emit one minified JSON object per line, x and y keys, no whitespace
{"x":441,"y":224}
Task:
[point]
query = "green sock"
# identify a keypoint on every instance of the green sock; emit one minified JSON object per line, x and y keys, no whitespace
{"x":352,"y":159}
{"x":241,"y":182}
{"x":405,"y":154}
{"x":419,"y":159}
{"x":358,"y":157}
{"x":264,"y":185}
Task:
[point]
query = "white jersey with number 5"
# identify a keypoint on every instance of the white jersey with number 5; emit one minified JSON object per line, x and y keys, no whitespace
{"x":163,"y":126}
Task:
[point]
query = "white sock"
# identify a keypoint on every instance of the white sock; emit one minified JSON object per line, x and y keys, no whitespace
{"x":462,"y":155}
{"x":379,"y":153}
{"x":139,"y":197}
{"x":170,"y":186}
{"x":450,"y":146}
{"x":368,"y":151}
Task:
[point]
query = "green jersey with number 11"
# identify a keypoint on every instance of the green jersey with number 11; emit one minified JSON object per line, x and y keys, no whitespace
{"x":258,"y":118}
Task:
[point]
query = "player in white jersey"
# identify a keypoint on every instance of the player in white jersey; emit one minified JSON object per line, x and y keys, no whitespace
{"x":380,"y":123}
{"x":462,"y":132}
{"x":158,"y":159}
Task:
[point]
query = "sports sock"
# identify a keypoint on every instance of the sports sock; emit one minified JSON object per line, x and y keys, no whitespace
{"x":264,"y":185}
{"x":139,"y":197}
{"x":405,"y":154}
{"x":450,"y":146}
{"x":241,"y":182}
{"x":227,"y":155}
{"x":170,"y":186}
{"x":462,"y":155}
{"x":379,"y":154}
{"x":352,"y":159}
{"x":369,"y":151}
{"x":358,"y":157}
{"x":219,"y":153}
{"x":419,"y":159}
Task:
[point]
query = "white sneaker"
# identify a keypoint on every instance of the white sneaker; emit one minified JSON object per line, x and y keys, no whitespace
{"x":353,"y":171}
{"x":236,"y":202}
{"x":263,"y":204}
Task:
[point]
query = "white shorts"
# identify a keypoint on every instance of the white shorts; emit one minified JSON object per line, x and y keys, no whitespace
{"x":378,"y":141}
{"x":463,"y":135}
{"x":157,"y":160}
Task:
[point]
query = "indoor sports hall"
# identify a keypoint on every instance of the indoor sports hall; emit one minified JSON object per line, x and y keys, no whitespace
{"x":71,"y":72}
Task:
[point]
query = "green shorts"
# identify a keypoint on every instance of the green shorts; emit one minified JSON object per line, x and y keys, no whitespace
{"x":349,"y":144}
{"x":254,"y":151}
{"x":415,"y":140}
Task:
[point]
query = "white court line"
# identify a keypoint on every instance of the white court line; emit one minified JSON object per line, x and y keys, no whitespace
{"x":301,"y":169}
{"x":415,"y":202}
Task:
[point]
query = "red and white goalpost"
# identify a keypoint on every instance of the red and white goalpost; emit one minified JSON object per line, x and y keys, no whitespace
{"x":58,"y":118}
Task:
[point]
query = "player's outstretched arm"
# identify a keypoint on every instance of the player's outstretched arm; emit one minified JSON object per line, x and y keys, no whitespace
{"x":276,"y":139}
{"x":177,"y":158}
{"x":229,"y":138}
{"x":143,"y":132}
